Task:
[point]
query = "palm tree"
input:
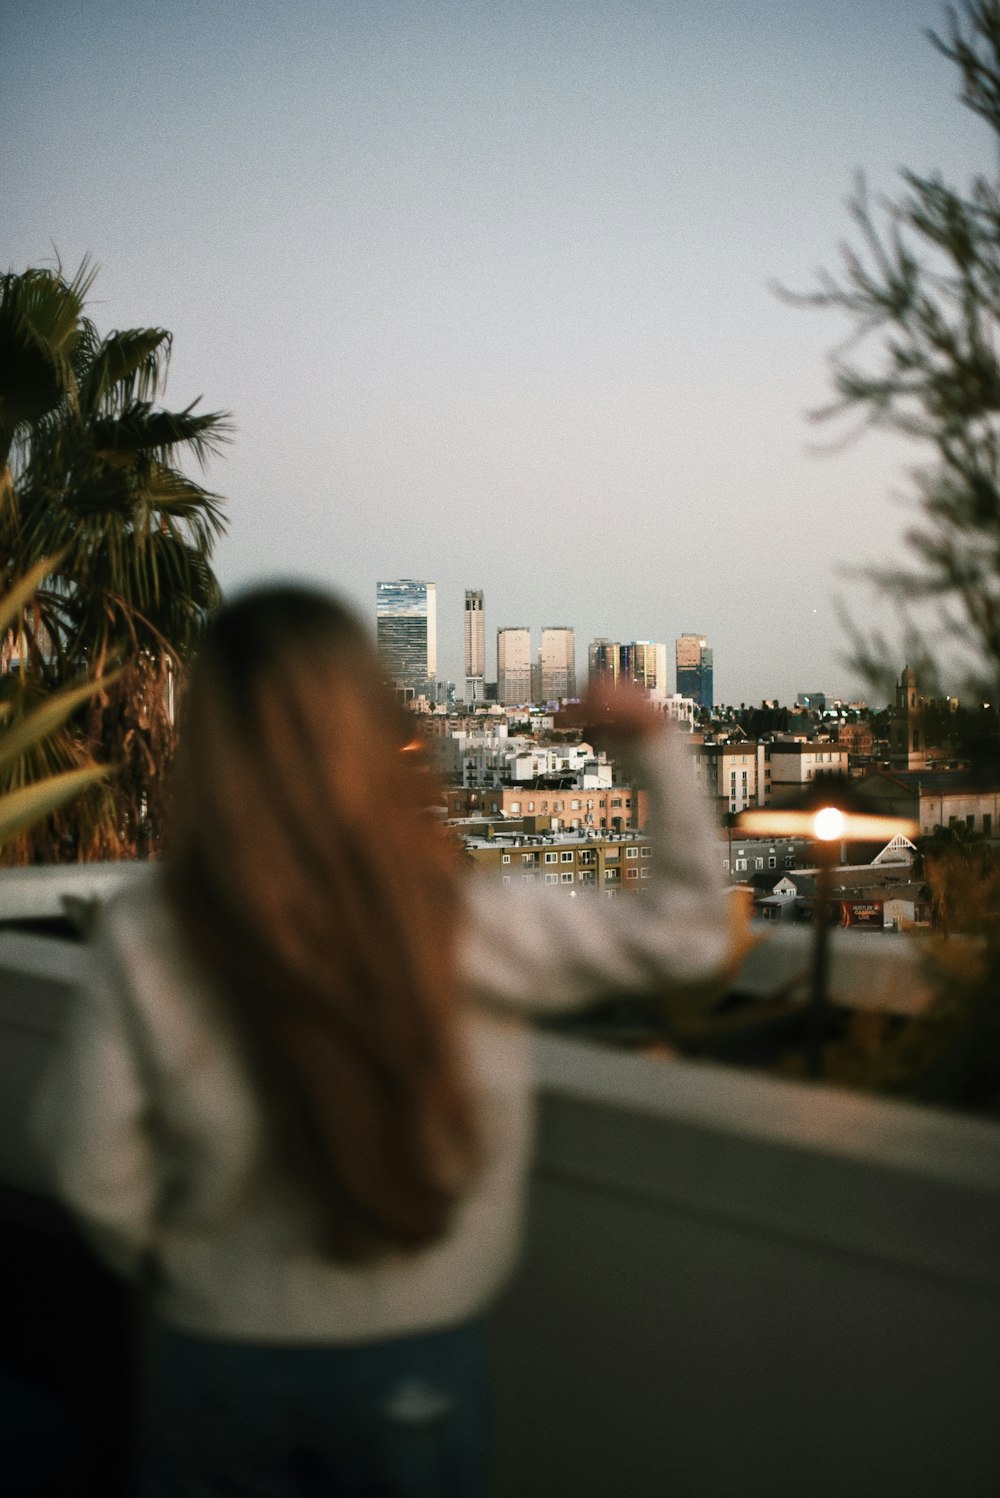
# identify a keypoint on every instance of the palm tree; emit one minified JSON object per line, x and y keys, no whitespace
{"x":89,"y":473}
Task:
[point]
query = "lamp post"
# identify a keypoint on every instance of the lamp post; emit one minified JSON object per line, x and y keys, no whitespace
{"x":829,"y":814}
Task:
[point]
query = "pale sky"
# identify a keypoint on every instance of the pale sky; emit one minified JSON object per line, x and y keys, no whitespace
{"x":487,"y":288}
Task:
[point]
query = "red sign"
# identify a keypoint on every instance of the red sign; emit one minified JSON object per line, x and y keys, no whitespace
{"x":861,"y":913}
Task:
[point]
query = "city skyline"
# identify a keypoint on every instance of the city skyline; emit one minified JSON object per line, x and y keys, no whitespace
{"x":490,"y":291}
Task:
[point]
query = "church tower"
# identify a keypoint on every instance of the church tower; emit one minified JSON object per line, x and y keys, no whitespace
{"x":907,"y":744}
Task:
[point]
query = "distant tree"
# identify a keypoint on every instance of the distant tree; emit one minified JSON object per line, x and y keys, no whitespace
{"x":90,"y":477}
{"x":921,"y":288}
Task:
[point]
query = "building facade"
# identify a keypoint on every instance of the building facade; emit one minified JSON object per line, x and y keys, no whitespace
{"x":728,"y":774}
{"x":907,"y":744}
{"x":602,"y":661}
{"x":406,"y":631}
{"x":616,"y":808}
{"x":557,"y":663}
{"x":514,"y":665}
{"x":613,"y":864}
{"x":643,"y":662}
{"x":475,"y":646}
{"x":695,"y":670}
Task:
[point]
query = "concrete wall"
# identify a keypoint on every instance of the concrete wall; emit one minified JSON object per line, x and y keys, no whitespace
{"x":739,"y":1286}
{"x":730,"y":1284}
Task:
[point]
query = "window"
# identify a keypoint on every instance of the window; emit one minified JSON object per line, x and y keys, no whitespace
{"x":567,"y":878}
{"x":741,"y":864}
{"x":515,"y":806}
{"x":586,"y":855}
{"x":631,"y":852}
{"x":528,"y":878}
{"x":758,"y":863}
{"x":987,"y":824}
{"x":586,"y":876}
{"x":628,"y":800}
{"x":574,"y":806}
{"x":565,"y":858}
{"x":611,"y":874}
{"x":505,"y":858}
{"x":631,"y":873}
{"x":552,"y":879}
{"x":531,"y":805}
{"x":617,"y":801}
{"x":646,"y":852}
{"x":772,"y":862}
{"x":557,"y":805}
{"x":504,"y":878}
{"x":528,"y":857}
{"x":552,"y":858}
{"x":645,"y":873}
{"x":789,"y":860}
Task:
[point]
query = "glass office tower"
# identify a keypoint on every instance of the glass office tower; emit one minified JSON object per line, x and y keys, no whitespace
{"x":406,"y":631}
{"x":694,"y":669}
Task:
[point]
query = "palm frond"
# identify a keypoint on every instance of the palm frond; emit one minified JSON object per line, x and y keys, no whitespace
{"x":125,"y":367}
{"x":140,"y":429}
{"x":53,"y":712}
{"x":22,"y":809}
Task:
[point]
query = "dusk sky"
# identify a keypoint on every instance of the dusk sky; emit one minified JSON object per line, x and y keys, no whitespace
{"x":488,"y":288}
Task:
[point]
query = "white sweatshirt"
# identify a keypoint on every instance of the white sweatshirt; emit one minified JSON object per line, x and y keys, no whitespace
{"x":155,"y":1141}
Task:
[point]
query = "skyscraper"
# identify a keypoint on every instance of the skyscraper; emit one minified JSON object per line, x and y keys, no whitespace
{"x":643,"y":662}
{"x":694,"y":669}
{"x":475,"y":645}
{"x":557,"y":663}
{"x":406,"y":631}
{"x":514,"y":665}
{"x":602,"y":661}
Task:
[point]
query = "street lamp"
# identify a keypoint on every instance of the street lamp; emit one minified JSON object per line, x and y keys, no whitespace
{"x":829,"y":814}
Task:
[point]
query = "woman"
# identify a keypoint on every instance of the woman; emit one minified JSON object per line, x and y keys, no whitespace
{"x":293,"y":1098}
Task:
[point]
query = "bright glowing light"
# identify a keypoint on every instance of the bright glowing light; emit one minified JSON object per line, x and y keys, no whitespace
{"x":829,"y":824}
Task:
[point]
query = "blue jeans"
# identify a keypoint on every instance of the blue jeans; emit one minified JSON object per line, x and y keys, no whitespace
{"x":405,"y":1418}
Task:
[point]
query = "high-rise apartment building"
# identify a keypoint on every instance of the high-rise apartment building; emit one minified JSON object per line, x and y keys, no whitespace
{"x":475,"y":646}
{"x":694,"y":670}
{"x":557,"y":663}
{"x":514,"y":665}
{"x":406,"y":631}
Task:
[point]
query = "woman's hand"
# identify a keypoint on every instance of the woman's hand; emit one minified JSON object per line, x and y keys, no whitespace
{"x":618,"y":716}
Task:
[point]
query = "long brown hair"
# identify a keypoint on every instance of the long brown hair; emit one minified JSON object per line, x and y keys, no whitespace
{"x":321,"y":897}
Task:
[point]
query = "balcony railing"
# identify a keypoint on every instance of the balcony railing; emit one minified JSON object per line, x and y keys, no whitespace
{"x":731,"y":1284}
